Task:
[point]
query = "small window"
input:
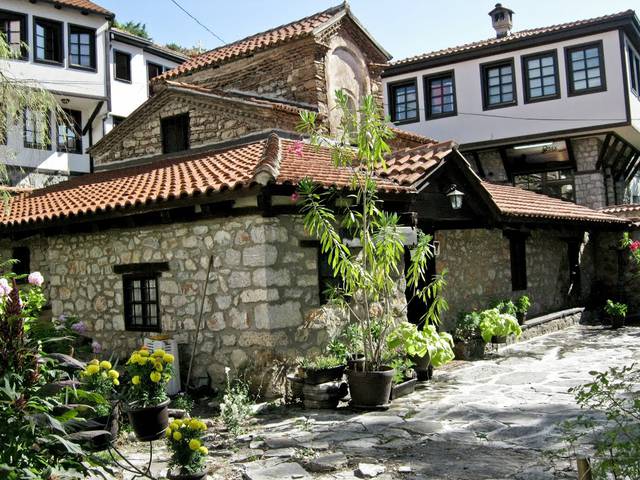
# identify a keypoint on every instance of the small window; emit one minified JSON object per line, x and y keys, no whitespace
{"x":14,"y":28}
{"x":36,"y":129}
{"x":69,"y":132}
{"x":141,"y":302}
{"x":573,"y":252}
{"x":518,"y":250}
{"x":122,"y":62}
{"x":22,"y":256}
{"x":541,"y":77}
{"x":440,"y":95}
{"x":82,"y":47}
{"x":403,"y":99}
{"x":585,"y":69}
{"x":153,"y":70}
{"x":175,"y":133}
{"x":48,"y":42}
{"x":499,"y":85}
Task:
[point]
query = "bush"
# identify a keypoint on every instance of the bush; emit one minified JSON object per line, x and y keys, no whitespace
{"x":184,"y":439}
{"x":615,"y":309}
{"x":235,"y":408}
{"x":322,"y":362}
{"x":467,"y":327}
{"x":496,"y":324}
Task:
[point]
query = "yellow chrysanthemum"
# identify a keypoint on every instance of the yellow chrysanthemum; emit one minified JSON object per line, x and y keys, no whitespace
{"x":168,"y":358}
{"x":143,"y":352}
{"x":194,"y":424}
{"x":174,"y":425}
{"x":116,"y":382}
{"x":95,"y":361}
{"x":203,"y":450}
{"x":143,"y":360}
{"x":136,"y":380}
{"x":92,"y":369}
{"x":155,"y":377}
{"x":113,"y":374}
{"x":177,"y":436}
{"x":194,"y":444}
{"x":105,"y":365}
{"x":158,"y":353}
{"x":168,"y":433}
{"x":158,"y":366}
{"x":135,"y":358}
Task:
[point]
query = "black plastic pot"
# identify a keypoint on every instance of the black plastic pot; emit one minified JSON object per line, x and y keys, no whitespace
{"x":424,"y":374}
{"x":522,"y":317}
{"x":325,"y":375}
{"x":149,"y":423}
{"x":499,"y":339}
{"x":187,"y":476}
{"x":472,"y":349}
{"x":616,"y":322}
{"x":370,"y":390}
{"x":355,"y":361}
{"x":402,"y":389}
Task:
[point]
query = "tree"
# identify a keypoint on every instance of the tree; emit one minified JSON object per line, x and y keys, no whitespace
{"x":134,"y":28}
{"x":190,"y":52}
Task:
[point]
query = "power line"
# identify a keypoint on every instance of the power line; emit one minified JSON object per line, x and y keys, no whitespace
{"x":198,"y":21}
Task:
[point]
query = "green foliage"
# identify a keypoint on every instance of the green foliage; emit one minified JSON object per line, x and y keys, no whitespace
{"x":323,"y":362}
{"x":493,"y":323}
{"x":428,"y":342}
{"x":523,"y":304}
{"x":610,"y":425}
{"x":615,"y":309}
{"x":184,"y":402}
{"x":190,"y":52}
{"x":632,"y":246}
{"x":506,"y":306}
{"x":101,"y":379}
{"x":467,"y":327}
{"x":235,"y":408}
{"x":368,"y":275}
{"x":148,"y":374}
{"x":184,"y":439}
{"x":134,"y":28}
{"x":402,"y":369}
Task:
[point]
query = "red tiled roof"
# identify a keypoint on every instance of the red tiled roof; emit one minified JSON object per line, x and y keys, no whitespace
{"x":530,"y":33}
{"x":517,"y":202}
{"x":185,"y":176}
{"x":83,"y":5}
{"x":622,"y":208}
{"x":409,"y":165}
{"x":255,"y":43}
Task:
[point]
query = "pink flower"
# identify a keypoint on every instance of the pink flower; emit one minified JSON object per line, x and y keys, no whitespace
{"x":5,"y":288}
{"x":35,"y":278}
{"x":297,"y":148}
{"x":294,"y":197}
{"x":634,"y":245}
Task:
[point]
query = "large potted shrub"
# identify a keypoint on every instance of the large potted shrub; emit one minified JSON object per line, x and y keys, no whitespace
{"x":147,"y":397}
{"x":368,"y":274}
{"x":468,"y":343}
{"x":495,"y":327}
{"x":188,"y":454}
{"x":616,"y":313}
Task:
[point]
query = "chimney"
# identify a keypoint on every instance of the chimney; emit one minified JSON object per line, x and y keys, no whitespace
{"x":502,"y":20}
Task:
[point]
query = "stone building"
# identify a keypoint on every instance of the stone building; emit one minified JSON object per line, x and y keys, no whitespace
{"x":200,"y":178}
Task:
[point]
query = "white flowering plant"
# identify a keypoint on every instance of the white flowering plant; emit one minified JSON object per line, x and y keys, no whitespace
{"x":235,"y":408}
{"x":148,"y":374}
{"x":184,"y":439}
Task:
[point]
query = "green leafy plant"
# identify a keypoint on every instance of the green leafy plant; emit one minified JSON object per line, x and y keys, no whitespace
{"x":421,"y":343}
{"x":235,"y":408}
{"x":184,"y":439}
{"x":467,"y":327}
{"x":322,"y":362}
{"x":523,"y":304}
{"x":615,"y":309}
{"x":506,"y":306}
{"x":496,"y":324}
{"x":100,"y":378}
{"x":138,"y":29}
{"x":148,"y":375}
{"x":402,"y":369}
{"x":184,"y":402}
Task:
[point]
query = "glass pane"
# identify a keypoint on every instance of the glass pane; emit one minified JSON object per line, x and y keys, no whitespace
{"x":507,"y":97}
{"x":591,"y":52}
{"x":547,"y":71}
{"x":494,"y":91}
{"x":580,"y":85}
{"x":593,"y":62}
{"x":535,"y":83}
{"x":595,"y":82}
{"x":493,"y":99}
{"x":505,"y":70}
{"x":536,"y":92}
{"x":577,"y":55}
{"x":534,"y":73}
{"x":579,"y":65}
{"x":494,"y":81}
{"x":547,"y":61}
{"x":580,"y":75}
{"x":550,"y":90}
{"x":494,"y":72}
{"x":593,"y":72}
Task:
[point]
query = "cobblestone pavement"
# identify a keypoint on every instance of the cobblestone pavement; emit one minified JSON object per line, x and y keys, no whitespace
{"x":489,"y":419}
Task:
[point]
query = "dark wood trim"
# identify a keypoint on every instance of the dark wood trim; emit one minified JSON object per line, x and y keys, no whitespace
{"x":625,"y":82}
{"x":93,"y":46}
{"x":24,"y":34}
{"x":603,"y":150}
{"x":61,"y":45}
{"x":525,"y":76}
{"x":126,"y":292}
{"x":426,"y":81}
{"x":571,"y":92}
{"x":154,"y":267}
{"x":479,"y":167}
{"x":115,"y":66}
{"x":93,"y":116}
{"x":392,"y":104}
{"x":485,"y":86}
{"x":48,"y":145}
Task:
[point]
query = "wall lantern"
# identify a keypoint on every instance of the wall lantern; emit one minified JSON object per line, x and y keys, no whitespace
{"x":455,"y":196}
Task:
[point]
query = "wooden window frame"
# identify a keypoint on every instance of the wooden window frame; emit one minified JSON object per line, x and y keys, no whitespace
{"x":115,"y":66}
{"x":525,"y":76}
{"x":164,"y":124}
{"x":518,"y":260}
{"x":79,"y":29}
{"x":149,"y":77}
{"x":427,"y":81}
{"x":127,"y":289}
{"x":76,"y":116}
{"x":569,"y":70}
{"x":392,"y":100}
{"x":37,"y":146}
{"x":484,"y":69}
{"x":634,"y":69}
{"x":23,"y":18}
{"x":50,"y":24}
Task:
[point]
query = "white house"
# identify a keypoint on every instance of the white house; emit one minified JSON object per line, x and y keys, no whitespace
{"x":553,"y":109}
{"x":70,"y":53}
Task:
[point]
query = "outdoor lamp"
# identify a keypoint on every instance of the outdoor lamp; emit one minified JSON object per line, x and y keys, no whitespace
{"x":455,"y":197}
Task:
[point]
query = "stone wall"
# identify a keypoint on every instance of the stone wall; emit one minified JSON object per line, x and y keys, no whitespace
{"x":493,"y":166}
{"x":478,"y":262}
{"x":589,"y":182}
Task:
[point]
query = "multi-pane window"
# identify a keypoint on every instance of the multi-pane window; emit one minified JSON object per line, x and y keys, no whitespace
{"x":440,"y":93}
{"x":499,"y":85}
{"x":141,"y":302}
{"x":404,"y":102}
{"x":541,"y":77}
{"x":557,"y":183}
{"x":13,"y":26}
{"x":585,"y":68}
{"x":175,"y":133}
{"x":82,"y":48}
{"x":122,"y":63}
{"x":36,"y":129}
{"x":69,"y":128}
{"x":48,"y":41}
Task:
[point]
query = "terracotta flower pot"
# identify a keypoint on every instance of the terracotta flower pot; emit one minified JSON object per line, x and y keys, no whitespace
{"x":370,"y":390}
{"x":149,"y":423}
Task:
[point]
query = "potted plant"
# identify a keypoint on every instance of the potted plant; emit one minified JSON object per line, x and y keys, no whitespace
{"x":147,"y":396}
{"x":323,"y":369}
{"x":188,"y":454}
{"x":616,"y":312}
{"x":404,"y":378}
{"x":495,"y":327}
{"x":468,"y":343}
{"x":523,"y":304}
{"x":366,"y":267}
{"x":349,"y":345}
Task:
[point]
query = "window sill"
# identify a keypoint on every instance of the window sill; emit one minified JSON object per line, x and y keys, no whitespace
{"x":442,"y":115}
{"x":499,"y":105}
{"x":35,"y":146}
{"x":123,"y":80}
{"x":83,"y":68}
{"x":51,"y":63}
{"x":542,"y":99}
{"x":405,"y":122}
{"x":587,"y":91}
{"x":142,"y":329}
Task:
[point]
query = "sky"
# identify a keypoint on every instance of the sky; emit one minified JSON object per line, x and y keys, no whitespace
{"x":403,"y":27}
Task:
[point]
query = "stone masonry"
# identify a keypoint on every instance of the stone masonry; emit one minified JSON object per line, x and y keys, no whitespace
{"x":589,"y":182}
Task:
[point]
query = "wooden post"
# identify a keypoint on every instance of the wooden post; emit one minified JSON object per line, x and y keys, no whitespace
{"x":584,"y":469}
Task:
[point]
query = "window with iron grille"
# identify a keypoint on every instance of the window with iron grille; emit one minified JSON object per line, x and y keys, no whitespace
{"x":585,"y":69}
{"x":48,"y":41}
{"x":141,"y":302}
{"x":499,"y":85}
{"x":440,"y":94}
{"x":541,"y":77}
{"x":14,"y":27}
{"x":82,"y":47}
{"x":69,"y":130}
{"x":36,"y":129}
{"x":403,"y":98}
{"x":122,"y":62}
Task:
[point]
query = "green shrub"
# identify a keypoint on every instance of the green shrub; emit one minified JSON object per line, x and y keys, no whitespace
{"x":428,"y":342}
{"x":523,"y":304}
{"x":322,"y":362}
{"x":467,"y":327}
{"x":493,"y":323}
{"x":615,"y":309}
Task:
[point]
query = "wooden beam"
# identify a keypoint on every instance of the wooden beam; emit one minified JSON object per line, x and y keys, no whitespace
{"x":603,"y":151}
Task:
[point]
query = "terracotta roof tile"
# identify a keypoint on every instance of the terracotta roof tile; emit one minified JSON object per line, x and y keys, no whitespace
{"x":409,"y":165}
{"x":255,"y":43}
{"x":530,"y":33}
{"x":517,"y":202}
{"x":622,"y":208}
{"x":83,"y":5}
